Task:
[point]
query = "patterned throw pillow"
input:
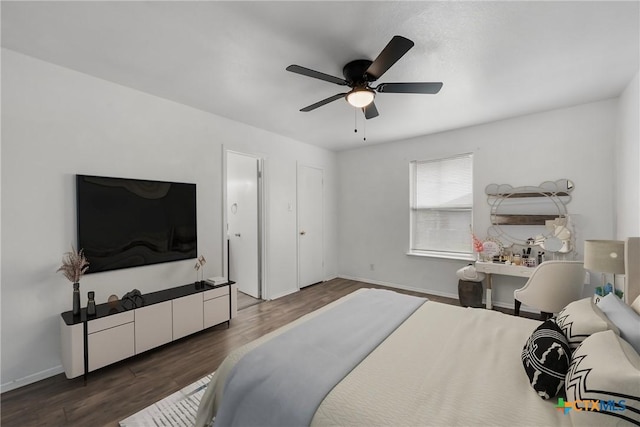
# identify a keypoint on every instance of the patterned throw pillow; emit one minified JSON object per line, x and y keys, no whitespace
{"x":582,"y":318}
{"x":546,"y":357}
{"x":605,"y":369}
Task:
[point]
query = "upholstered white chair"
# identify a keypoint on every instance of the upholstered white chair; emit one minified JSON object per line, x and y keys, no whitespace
{"x":552,"y":286}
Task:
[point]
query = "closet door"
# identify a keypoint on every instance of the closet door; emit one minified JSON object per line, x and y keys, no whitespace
{"x":310,"y":188}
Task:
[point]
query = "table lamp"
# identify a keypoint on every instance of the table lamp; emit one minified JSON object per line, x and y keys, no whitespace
{"x":604,"y":256}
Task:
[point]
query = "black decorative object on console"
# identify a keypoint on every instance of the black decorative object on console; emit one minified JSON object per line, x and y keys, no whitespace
{"x":74,"y":265}
{"x":91,"y":304}
{"x":132,"y":300}
{"x":76,"y":299}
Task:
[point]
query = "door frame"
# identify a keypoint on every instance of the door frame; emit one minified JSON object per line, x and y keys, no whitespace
{"x":298,"y":166}
{"x":262,"y":176}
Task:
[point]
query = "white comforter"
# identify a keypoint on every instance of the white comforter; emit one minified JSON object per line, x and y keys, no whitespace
{"x":444,"y":366}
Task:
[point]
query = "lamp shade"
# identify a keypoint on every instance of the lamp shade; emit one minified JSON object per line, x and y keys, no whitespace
{"x":605,"y":256}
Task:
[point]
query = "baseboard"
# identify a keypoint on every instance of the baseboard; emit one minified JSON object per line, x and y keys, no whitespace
{"x":30,"y":379}
{"x":403,"y":287}
{"x":283,"y":294}
{"x":433,"y":292}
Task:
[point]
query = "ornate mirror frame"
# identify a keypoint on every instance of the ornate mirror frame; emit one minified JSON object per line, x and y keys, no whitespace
{"x":532,"y":215}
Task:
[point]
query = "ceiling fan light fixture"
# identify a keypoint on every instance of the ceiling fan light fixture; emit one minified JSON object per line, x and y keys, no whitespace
{"x":360,"y":97}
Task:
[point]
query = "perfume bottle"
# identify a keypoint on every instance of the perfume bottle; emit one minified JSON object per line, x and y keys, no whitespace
{"x":91,"y":304}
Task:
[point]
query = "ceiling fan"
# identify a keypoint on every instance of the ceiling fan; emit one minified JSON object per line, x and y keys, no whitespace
{"x":359,"y":74}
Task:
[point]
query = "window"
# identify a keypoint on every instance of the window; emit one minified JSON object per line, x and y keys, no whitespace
{"x":442,"y":207}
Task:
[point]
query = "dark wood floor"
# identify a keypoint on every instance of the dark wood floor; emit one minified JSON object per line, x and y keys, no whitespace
{"x":245,"y":300}
{"x":119,"y":390}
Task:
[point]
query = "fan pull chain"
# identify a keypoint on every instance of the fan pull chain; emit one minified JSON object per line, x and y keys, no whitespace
{"x":355,"y":124}
{"x":364,"y":129}
{"x":355,"y":121}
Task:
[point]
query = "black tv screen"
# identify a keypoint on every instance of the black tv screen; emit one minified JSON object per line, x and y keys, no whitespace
{"x":130,"y":222}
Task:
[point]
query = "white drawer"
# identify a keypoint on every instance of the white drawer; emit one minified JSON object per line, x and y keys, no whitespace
{"x":489,"y":268}
{"x":110,"y":345}
{"x":523,"y":271}
{"x":216,"y":311}
{"x":109,"y":321}
{"x":507,"y":270}
{"x":215,"y":293}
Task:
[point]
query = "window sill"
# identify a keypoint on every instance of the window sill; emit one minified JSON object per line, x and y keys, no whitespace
{"x":443,"y":255}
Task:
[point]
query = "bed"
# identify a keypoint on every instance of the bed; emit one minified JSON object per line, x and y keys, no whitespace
{"x":446,"y":365}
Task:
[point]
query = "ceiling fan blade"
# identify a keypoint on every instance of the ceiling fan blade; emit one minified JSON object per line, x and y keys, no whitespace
{"x":394,"y":50}
{"x":316,"y":74}
{"x":370,"y":111}
{"x":323,"y":102}
{"x":430,"y":88}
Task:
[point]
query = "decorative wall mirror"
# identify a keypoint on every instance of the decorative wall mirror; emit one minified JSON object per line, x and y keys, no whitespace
{"x":530,"y":216}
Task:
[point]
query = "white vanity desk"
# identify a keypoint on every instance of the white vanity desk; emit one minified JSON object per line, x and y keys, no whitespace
{"x":490,"y":268}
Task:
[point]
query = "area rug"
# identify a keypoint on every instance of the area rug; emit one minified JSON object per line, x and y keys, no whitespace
{"x":176,"y":410}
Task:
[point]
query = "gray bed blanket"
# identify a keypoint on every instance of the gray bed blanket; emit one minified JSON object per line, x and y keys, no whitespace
{"x":282,"y":382}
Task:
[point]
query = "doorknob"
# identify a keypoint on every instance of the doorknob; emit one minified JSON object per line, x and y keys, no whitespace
{"x":237,"y":234}
{"x":302,"y":233}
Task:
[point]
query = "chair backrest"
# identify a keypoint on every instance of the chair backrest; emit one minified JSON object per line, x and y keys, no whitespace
{"x":553,"y":285}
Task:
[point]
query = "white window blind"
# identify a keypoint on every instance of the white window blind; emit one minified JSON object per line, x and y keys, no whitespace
{"x":442,"y":205}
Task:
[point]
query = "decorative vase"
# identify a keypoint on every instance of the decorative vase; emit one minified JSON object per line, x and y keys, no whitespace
{"x":76,"y":299}
{"x":91,"y":304}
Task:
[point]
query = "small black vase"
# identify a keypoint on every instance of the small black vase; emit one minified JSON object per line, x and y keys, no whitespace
{"x":76,"y":299}
{"x":91,"y":304}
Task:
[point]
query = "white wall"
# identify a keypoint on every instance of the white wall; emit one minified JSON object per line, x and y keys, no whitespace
{"x":575,"y":143}
{"x":56,"y":123}
{"x":627,"y":167}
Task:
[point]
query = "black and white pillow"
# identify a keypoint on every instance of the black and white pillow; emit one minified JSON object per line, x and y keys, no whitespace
{"x":582,"y":318}
{"x":546,"y":357}
{"x":605,"y":372}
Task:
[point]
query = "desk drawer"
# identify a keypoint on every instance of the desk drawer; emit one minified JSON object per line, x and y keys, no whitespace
{"x":490,"y":268}
{"x":522,"y":271}
{"x":506,"y":270}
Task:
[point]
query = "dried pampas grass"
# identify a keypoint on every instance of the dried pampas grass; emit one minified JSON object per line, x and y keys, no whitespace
{"x":74,"y":264}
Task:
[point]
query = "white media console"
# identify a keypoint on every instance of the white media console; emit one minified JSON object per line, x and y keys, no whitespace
{"x":115,"y":333}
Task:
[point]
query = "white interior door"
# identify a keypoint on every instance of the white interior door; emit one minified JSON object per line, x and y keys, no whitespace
{"x":243,"y":222}
{"x":310,"y":226}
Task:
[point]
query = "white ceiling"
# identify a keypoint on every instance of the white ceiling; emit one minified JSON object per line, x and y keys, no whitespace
{"x":496,"y":59}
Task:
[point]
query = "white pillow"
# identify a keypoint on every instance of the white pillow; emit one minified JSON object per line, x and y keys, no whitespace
{"x":604,"y":369}
{"x":580,"y":319}
{"x":623,"y":316}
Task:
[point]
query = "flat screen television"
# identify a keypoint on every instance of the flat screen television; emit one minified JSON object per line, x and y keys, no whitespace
{"x":126,"y":223}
